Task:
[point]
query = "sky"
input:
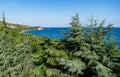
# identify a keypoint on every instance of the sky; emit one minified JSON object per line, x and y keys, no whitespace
{"x":58,"y":13}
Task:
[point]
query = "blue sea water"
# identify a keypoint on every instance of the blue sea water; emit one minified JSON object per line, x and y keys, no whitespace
{"x":57,"y":32}
{"x":52,"y":32}
{"x":116,"y":33}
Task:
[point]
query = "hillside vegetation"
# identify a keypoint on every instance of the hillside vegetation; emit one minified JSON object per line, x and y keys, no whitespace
{"x":19,"y":27}
{"x":84,"y":52}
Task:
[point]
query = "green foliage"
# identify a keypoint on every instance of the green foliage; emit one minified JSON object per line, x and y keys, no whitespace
{"x":39,"y":71}
{"x":75,"y":66}
{"x":100,"y":70}
{"x":94,"y":48}
{"x":85,"y":52}
{"x":75,"y":38}
{"x":14,"y":57}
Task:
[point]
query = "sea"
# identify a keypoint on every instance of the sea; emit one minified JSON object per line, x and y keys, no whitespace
{"x":57,"y":32}
{"x":50,"y":32}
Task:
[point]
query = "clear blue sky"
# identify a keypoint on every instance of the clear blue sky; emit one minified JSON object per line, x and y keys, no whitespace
{"x":58,"y":12}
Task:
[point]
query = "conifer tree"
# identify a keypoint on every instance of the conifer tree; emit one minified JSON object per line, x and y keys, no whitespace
{"x":75,"y":37}
{"x":94,"y":51}
{"x":15,"y":58}
{"x":4,"y":21}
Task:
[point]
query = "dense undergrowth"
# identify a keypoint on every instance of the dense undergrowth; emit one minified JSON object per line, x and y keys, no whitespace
{"x":84,"y":52}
